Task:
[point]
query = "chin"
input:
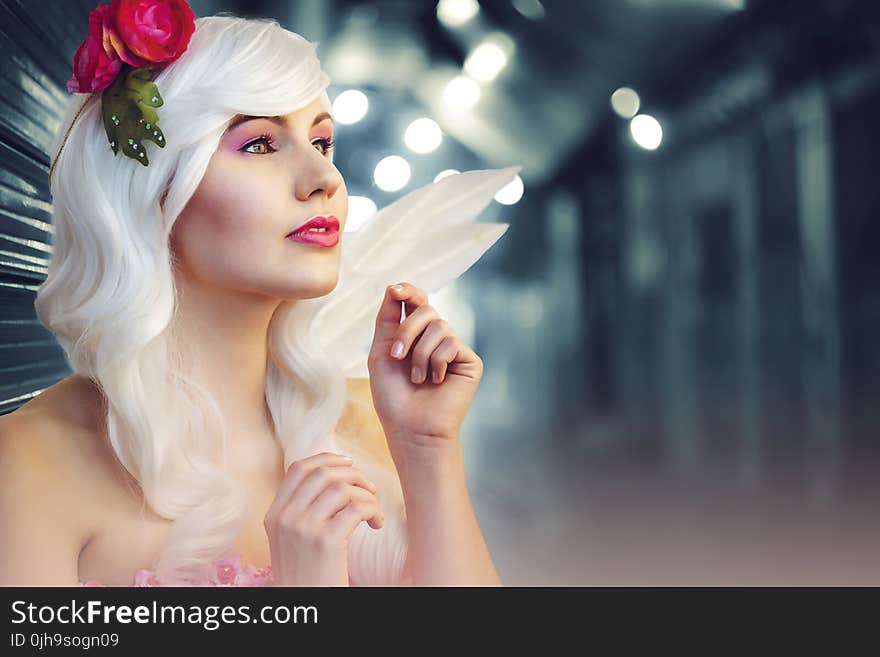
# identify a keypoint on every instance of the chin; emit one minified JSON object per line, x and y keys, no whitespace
{"x":314,"y":289}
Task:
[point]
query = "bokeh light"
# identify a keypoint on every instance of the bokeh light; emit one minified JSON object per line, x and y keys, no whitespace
{"x":453,"y":13}
{"x":445,"y":174}
{"x":511,"y":192}
{"x":485,"y":62}
{"x":392,"y":173}
{"x":625,"y":102}
{"x":360,"y":209}
{"x":646,"y":131}
{"x":423,"y":135}
{"x":461,"y":93}
{"x":350,"y":106}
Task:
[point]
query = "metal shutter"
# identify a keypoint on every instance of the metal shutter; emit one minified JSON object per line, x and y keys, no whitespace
{"x":38,"y":40}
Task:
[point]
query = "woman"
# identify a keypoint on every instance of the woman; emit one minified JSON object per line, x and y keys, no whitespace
{"x":202,"y":437}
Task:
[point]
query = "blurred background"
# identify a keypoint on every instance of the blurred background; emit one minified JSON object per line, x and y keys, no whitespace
{"x":679,"y":327}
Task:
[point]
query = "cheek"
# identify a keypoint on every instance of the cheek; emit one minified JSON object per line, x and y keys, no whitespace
{"x":226,"y":224}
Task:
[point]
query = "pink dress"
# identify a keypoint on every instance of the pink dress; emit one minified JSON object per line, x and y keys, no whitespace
{"x":228,"y":571}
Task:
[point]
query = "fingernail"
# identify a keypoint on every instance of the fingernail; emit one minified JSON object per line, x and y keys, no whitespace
{"x":397,"y":349}
{"x":416,"y":374}
{"x":397,"y":288}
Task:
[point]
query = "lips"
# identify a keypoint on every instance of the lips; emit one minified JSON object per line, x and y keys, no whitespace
{"x":327,"y":237}
{"x":330,"y":223}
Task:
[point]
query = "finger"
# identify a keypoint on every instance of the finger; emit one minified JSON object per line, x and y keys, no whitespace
{"x":299,"y":470}
{"x":336,"y":497}
{"x":347,"y":520}
{"x":445,"y":353}
{"x":322,"y":478}
{"x":410,"y":329}
{"x":437,"y":330}
{"x":411,"y":295}
{"x":466,"y":363}
{"x":388,"y":317}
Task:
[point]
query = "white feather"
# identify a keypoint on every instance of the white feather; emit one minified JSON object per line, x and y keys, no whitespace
{"x":429,"y":238}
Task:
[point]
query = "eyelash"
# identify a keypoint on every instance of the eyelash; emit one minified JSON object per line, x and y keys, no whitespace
{"x":267,"y":138}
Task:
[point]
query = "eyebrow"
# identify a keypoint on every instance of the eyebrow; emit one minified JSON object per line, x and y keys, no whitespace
{"x":277,"y":120}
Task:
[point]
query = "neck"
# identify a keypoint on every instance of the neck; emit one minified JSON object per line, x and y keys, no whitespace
{"x":223,"y":335}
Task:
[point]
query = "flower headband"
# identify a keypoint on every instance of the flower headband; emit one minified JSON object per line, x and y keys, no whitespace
{"x":128,"y":40}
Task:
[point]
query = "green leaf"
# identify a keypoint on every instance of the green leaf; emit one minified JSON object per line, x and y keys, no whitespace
{"x":129,"y":118}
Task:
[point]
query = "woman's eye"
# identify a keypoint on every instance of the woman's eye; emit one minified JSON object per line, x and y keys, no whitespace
{"x":264,"y":140}
{"x":328,"y":144}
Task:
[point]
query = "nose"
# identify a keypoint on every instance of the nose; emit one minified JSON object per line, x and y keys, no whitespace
{"x":316,"y":175}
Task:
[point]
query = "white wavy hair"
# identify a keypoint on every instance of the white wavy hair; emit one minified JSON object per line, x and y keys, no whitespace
{"x":110,"y":299}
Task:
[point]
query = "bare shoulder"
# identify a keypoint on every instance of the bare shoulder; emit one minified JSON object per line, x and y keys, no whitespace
{"x":360,"y":420}
{"x":42,"y":433}
{"x":62,"y":428}
{"x":53,"y":469}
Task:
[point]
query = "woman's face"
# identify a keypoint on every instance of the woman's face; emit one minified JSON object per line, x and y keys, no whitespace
{"x":264,"y":181}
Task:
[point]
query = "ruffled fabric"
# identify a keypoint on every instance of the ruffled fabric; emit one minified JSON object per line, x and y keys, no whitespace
{"x":228,"y":571}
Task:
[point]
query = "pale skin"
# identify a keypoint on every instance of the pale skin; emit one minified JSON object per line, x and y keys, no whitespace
{"x":233,"y":267}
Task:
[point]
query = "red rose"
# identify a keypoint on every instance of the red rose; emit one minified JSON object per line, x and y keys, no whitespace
{"x":137,"y":32}
{"x":96,"y":62}
{"x":156,"y":30}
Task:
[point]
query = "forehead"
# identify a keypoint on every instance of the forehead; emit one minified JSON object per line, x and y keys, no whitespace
{"x":321,"y":103}
{"x":313,"y":113}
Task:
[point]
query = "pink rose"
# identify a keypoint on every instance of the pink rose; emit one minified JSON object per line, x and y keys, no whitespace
{"x":228,"y":567}
{"x":145,"y":577}
{"x":253,"y":576}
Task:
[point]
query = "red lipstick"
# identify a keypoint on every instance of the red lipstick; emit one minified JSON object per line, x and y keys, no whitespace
{"x":319,"y":230}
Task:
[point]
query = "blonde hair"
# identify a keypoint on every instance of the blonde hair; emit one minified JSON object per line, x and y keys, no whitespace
{"x":110,"y":299}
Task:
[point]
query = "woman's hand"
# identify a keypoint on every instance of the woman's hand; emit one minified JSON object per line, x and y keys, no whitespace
{"x":421,"y":393}
{"x":320,"y":502}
